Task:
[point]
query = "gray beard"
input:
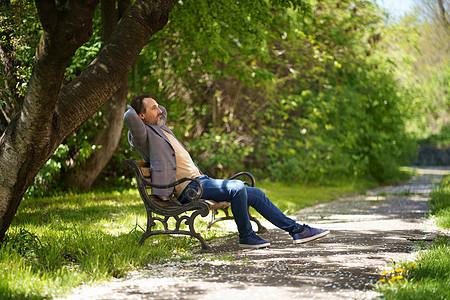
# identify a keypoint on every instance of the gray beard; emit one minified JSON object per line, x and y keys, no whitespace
{"x":160,"y":122}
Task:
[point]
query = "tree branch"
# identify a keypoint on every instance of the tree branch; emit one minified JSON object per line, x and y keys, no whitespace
{"x":79,"y":99}
{"x":48,"y":14}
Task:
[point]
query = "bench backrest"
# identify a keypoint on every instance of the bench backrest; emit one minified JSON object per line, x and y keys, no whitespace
{"x":145,"y":169}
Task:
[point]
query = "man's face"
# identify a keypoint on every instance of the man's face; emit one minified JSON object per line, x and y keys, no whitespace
{"x":152,"y":115}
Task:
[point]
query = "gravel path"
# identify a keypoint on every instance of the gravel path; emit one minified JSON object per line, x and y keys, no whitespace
{"x":367,"y":232}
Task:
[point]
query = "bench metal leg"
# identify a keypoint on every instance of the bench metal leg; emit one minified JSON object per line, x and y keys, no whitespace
{"x":214,"y":220}
{"x":261,"y":228}
{"x":186,"y":219}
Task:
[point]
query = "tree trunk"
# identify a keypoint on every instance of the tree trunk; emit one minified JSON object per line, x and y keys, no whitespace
{"x":51,"y":112}
{"x":443,"y":16}
{"x":83,"y":174}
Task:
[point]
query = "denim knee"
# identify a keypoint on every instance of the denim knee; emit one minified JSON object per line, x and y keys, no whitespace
{"x":256,"y":197}
{"x":235,"y":187}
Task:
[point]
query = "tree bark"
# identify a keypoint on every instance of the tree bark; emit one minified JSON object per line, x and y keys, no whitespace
{"x":83,"y":174}
{"x":51,"y":112}
{"x":443,"y":16}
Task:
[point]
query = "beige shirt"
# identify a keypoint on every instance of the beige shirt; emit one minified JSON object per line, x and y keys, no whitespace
{"x":185,"y":165}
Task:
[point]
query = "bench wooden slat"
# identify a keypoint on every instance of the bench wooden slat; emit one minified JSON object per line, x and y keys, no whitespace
{"x":142,"y":163}
{"x":213,"y":205}
{"x":146,"y":173}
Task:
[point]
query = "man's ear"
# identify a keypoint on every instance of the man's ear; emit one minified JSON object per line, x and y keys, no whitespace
{"x":141,"y":115}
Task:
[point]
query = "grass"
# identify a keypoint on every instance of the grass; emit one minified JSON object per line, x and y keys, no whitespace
{"x":428,"y":277}
{"x":293,"y":197}
{"x":440,"y":203}
{"x":57,"y":243}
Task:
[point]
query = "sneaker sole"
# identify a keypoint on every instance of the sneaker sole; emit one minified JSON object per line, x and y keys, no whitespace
{"x":311,"y":238}
{"x":254,"y":246}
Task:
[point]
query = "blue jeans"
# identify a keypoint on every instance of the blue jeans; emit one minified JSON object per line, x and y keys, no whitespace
{"x":242,"y":196}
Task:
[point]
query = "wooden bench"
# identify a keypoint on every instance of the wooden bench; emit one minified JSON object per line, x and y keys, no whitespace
{"x":163,"y":211}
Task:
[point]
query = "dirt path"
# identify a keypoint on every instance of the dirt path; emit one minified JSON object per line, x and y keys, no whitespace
{"x":367,"y":232}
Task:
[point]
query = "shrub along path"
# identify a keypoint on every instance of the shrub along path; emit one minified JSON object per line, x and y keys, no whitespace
{"x":367,"y":233}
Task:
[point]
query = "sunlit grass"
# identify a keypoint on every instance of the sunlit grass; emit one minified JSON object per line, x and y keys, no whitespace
{"x":442,"y":218}
{"x":293,"y":197}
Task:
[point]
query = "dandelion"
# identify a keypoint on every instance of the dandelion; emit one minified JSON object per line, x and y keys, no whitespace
{"x":182,"y":249}
{"x":392,"y":275}
{"x":399,"y":277}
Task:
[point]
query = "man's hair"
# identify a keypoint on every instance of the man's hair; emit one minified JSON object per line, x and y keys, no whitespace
{"x":137,"y":104}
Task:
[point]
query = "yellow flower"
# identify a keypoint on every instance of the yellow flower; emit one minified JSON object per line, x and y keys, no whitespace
{"x":395,"y":278}
{"x":182,"y":249}
{"x":382,"y":280}
{"x":384,"y":273}
{"x":399,"y":270}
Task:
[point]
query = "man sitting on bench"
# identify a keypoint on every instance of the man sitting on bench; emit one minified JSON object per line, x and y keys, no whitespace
{"x":170,"y":161}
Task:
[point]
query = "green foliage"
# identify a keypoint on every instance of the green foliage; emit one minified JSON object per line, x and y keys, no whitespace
{"x":220,"y":154}
{"x":419,"y":50}
{"x":291,"y":90}
{"x":19,"y":35}
{"x":345,"y":119}
{"x":442,"y":139}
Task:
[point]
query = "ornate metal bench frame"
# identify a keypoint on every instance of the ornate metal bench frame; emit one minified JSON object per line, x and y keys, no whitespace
{"x":158,"y":210}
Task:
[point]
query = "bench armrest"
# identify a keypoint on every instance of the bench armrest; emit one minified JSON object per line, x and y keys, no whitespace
{"x":245,"y":174}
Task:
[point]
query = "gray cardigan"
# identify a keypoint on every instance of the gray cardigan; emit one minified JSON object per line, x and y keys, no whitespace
{"x":152,"y":144}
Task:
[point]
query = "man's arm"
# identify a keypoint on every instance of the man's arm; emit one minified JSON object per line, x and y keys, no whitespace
{"x":164,"y":113}
{"x":138,"y":138}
